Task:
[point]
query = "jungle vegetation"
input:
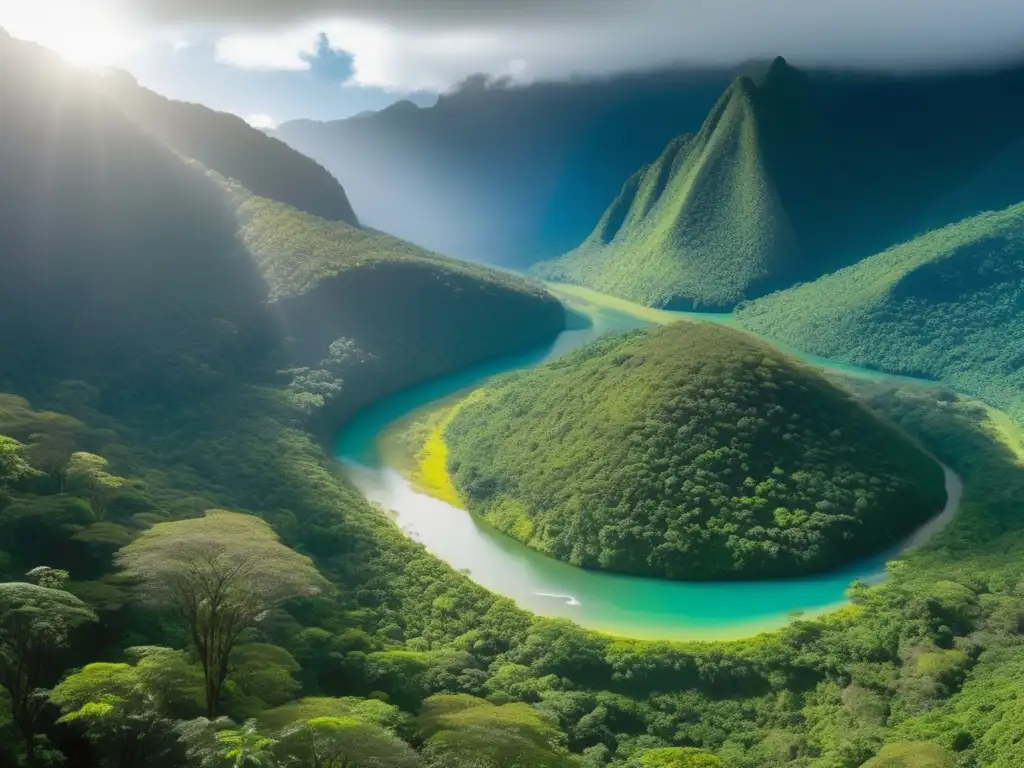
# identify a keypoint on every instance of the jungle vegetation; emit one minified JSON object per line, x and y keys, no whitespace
{"x":948,"y":305}
{"x":140,"y":356}
{"x":688,"y":452}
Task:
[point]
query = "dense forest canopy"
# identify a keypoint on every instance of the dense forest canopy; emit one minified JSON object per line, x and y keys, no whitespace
{"x":947,"y":305}
{"x":689,"y":452}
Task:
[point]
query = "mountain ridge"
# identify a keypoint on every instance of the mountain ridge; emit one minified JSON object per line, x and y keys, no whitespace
{"x":831,"y":184}
{"x":227,"y":144}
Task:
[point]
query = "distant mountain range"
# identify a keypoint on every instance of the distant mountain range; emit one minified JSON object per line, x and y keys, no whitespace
{"x":506,"y":174}
{"x":796,"y":174}
{"x":514,"y":175}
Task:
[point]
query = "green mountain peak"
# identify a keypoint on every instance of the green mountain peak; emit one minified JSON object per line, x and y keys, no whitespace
{"x":700,"y":227}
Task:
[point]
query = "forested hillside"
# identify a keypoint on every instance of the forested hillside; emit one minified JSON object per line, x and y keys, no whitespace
{"x":947,"y":305}
{"x":778,"y":185}
{"x":690,"y":452}
{"x":227,"y":144}
{"x":368,"y":314}
{"x":110,"y":240}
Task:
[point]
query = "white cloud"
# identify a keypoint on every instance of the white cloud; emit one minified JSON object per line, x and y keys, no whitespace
{"x":261,"y":120}
{"x":400,"y":47}
{"x":289,"y":50}
{"x":432,"y":44}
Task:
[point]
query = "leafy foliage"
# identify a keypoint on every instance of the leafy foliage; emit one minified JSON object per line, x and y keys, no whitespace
{"x":332,"y":742}
{"x":127,"y":711}
{"x":688,"y":452}
{"x":910,"y":755}
{"x":220,"y":572}
{"x":466,"y":732}
{"x":35,"y":624}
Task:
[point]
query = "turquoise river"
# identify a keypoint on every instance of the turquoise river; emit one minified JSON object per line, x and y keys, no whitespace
{"x":617,"y":604}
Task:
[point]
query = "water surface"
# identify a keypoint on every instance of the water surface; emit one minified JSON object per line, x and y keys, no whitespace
{"x":623,"y":605}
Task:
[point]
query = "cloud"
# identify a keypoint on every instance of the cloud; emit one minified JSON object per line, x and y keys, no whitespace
{"x":262,"y":121}
{"x":407,"y":45}
{"x":289,"y":50}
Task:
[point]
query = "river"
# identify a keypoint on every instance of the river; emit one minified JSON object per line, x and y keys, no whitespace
{"x":622,"y":605}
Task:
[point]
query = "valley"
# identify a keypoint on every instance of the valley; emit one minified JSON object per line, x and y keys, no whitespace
{"x":281,"y":487}
{"x":380,"y":446}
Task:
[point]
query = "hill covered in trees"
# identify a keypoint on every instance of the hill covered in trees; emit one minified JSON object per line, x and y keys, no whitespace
{"x":111,"y":240}
{"x":367,"y":314}
{"x":777,"y":185}
{"x":948,"y":305}
{"x":690,"y":452}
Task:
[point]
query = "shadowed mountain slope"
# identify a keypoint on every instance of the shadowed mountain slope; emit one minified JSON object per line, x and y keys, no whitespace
{"x":947,"y":305}
{"x":154,"y":278}
{"x":796,"y":174}
{"x":227,"y":144}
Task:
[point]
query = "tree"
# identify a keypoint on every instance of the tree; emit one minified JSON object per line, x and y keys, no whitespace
{"x":87,"y":474}
{"x":13,"y":466}
{"x":261,"y":677}
{"x":221,"y":572}
{"x":35,"y":623}
{"x":51,"y":450}
{"x":912,"y":755}
{"x":343,"y":742}
{"x":221,"y":744}
{"x":128,"y":711}
{"x":676,"y":757}
{"x":466,"y":732}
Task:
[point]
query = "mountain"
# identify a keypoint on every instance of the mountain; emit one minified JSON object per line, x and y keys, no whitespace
{"x":503,"y":173}
{"x":156,"y":278}
{"x":699,"y":228}
{"x":795,"y":174}
{"x":947,"y":305}
{"x":227,"y":144}
{"x":689,"y":452}
{"x":118,"y":262}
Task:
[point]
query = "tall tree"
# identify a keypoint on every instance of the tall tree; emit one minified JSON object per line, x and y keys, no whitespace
{"x":220,"y":572}
{"x":463,"y":731}
{"x":35,"y":623}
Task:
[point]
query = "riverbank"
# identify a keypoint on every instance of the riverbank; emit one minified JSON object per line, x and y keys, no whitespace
{"x":386,"y":447}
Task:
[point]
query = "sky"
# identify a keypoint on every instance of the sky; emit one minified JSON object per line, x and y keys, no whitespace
{"x":275,"y":60}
